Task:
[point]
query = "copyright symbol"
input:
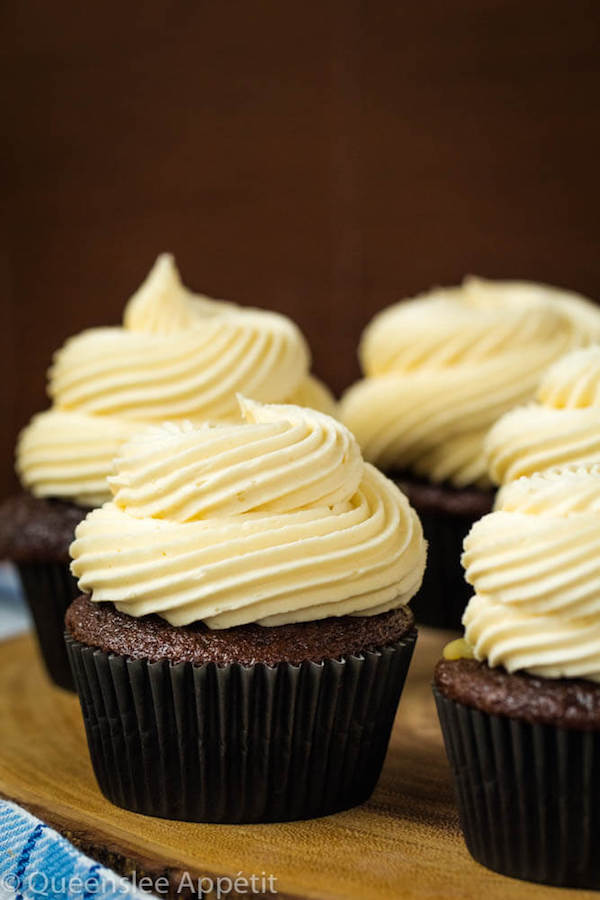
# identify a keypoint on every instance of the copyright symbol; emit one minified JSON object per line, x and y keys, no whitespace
{"x":11,"y":882}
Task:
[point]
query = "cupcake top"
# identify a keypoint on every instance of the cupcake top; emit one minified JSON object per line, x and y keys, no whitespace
{"x":561,"y":428}
{"x":442,"y":367}
{"x":178,"y":355}
{"x":274,"y":520}
{"x":535,"y":569}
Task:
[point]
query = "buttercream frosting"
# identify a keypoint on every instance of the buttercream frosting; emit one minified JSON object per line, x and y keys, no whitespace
{"x":561,"y":428}
{"x":274,"y":520}
{"x":442,"y":367}
{"x":535,"y":569}
{"x":69,"y":455}
{"x":178,"y":355}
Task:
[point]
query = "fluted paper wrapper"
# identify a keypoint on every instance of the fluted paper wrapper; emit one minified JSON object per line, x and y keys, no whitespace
{"x":444,"y":593}
{"x":528,"y":795}
{"x":239,"y":744}
{"x":49,"y":589}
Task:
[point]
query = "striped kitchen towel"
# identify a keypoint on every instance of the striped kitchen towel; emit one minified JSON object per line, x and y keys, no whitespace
{"x":36,"y":863}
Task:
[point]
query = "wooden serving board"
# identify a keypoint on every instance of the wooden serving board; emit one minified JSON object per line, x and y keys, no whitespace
{"x":405,"y":842}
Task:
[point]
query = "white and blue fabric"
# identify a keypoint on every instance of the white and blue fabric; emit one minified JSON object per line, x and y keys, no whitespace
{"x":36,"y":863}
{"x":14,"y":615}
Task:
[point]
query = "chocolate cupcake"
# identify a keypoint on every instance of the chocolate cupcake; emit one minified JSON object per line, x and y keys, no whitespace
{"x":35,"y":533}
{"x":519,"y":697}
{"x":245,"y":638}
{"x":179,"y":356}
{"x":440,"y":369}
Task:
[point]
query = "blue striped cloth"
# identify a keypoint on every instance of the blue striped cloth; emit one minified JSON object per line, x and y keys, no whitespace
{"x":14,"y":615}
{"x":36,"y":863}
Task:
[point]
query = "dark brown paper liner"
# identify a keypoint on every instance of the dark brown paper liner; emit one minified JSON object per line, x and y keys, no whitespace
{"x":239,"y":744}
{"x":444,"y":593}
{"x":528,"y":794}
{"x":49,"y":589}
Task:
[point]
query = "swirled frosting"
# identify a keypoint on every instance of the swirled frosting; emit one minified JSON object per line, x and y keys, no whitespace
{"x":441,"y":368}
{"x":177,"y":356}
{"x":275,"y":520}
{"x":70,"y":454}
{"x":561,"y":428}
{"x":535,"y":568}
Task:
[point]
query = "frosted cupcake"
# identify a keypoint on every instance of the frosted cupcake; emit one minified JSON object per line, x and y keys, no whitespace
{"x":519,"y":697}
{"x":561,"y":428}
{"x":439,"y":370}
{"x":246,"y":615}
{"x":177,"y":355}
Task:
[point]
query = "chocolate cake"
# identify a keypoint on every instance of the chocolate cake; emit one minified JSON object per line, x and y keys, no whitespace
{"x":37,"y":529}
{"x":427,"y":497}
{"x":562,"y":702}
{"x":152,"y":638}
{"x":35,"y":534}
{"x":246,"y":724}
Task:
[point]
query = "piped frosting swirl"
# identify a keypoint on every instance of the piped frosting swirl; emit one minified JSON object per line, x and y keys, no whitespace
{"x":441,"y":368}
{"x":561,"y":428}
{"x":275,"y":520}
{"x":535,"y":569}
{"x":177,"y":356}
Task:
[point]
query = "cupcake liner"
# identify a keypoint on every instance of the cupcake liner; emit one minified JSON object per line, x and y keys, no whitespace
{"x":49,"y":589}
{"x":444,"y":593}
{"x":239,"y":744}
{"x":528,"y":794}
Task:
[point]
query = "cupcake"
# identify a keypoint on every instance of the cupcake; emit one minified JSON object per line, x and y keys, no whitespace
{"x":519,"y":697}
{"x":561,"y":428}
{"x":244,"y":637}
{"x":177,"y":356}
{"x":439,"y":370}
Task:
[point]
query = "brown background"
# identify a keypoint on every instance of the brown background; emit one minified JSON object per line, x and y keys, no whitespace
{"x":322,"y":159}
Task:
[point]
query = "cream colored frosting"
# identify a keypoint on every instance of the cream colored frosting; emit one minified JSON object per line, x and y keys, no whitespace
{"x":561,"y":428}
{"x":535,"y":568}
{"x":70,"y":454}
{"x":177,"y":356}
{"x":274,"y":520}
{"x":441,"y":368}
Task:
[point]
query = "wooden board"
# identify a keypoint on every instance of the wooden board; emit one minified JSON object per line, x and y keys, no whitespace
{"x":404,"y":843}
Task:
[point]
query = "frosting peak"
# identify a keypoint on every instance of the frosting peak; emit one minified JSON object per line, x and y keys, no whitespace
{"x":451,"y":326}
{"x":284,"y":459}
{"x":161,"y":305}
{"x":535,"y":569}
{"x":274,"y":520}
{"x":442,"y":367}
{"x":177,"y":356}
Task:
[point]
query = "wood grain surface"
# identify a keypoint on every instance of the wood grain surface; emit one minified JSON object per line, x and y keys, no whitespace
{"x":405,"y":842}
